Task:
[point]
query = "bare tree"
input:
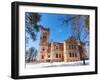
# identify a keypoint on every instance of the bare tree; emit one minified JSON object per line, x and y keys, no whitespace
{"x":31,"y":54}
{"x":80,"y":30}
{"x":31,"y":25}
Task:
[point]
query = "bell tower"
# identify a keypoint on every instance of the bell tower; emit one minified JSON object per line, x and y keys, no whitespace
{"x":44,"y":44}
{"x":44,"y":35}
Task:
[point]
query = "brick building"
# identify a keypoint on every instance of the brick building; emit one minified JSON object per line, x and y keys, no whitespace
{"x":67,"y":51}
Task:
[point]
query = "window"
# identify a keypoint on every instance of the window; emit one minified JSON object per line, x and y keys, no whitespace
{"x":48,"y":56}
{"x":43,"y":49}
{"x":56,"y":47}
{"x":59,"y":55}
{"x":56,"y":55}
{"x":44,"y":37}
{"x":72,"y":54}
{"x":75,"y":54}
{"x":42,"y":57}
{"x":73,"y":46}
{"x":69,"y":54}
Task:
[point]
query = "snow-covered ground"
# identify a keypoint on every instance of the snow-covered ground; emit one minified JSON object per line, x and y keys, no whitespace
{"x":55,"y":64}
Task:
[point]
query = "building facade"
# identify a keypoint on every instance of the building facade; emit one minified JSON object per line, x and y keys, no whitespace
{"x":67,"y":51}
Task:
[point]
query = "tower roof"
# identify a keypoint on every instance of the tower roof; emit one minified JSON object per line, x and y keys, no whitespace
{"x":43,"y":28}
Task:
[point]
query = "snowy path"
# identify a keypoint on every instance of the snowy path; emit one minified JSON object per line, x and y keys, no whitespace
{"x":56,"y":64}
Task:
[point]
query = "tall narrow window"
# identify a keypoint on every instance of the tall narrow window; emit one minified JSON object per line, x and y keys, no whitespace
{"x":59,"y":55}
{"x":70,"y":54}
{"x":43,"y":49}
{"x":74,"y":46}
{"x":75,"y":54}
{"x":48,"y":56}
{"x":42,"y":57}
{"x":56,"y":55}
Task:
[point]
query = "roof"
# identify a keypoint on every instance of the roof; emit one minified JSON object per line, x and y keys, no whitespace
{"x":43,"y":28}
{"x":71,"y":40}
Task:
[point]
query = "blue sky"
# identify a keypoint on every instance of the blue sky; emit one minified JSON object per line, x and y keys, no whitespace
{"x":58,"y":31}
